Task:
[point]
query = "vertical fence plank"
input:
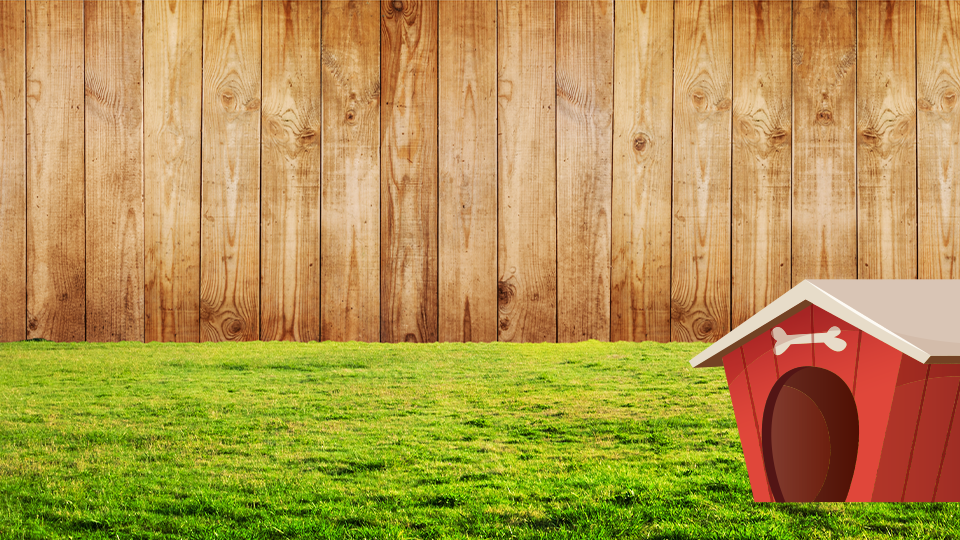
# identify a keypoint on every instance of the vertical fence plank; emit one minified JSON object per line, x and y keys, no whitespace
{"x":584,"y":174}
{"x":13,"y":188}
{"x":526,"y":170}
{"x":760,"y":269}
{"x":350,"y":190}
{"x":113,"y":102}
{"x":408,"y":172}
{"x":824,"y":183}
{"x":290,"y":172}
{"x":701,"y":171}
{"x":938,"y":151}
{"x":468,"y":171}
{"x":172,"y":82}
{"x":55,"y":209}
{"x":230,"y":224}
{"x":642,"y":157}
{"x":886,"y":140}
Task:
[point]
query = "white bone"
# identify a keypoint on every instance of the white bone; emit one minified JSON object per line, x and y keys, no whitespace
{"x":828,"y":338}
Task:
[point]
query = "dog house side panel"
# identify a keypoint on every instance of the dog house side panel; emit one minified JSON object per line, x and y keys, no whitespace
{"x":843,"y":362}
{"x":748,"y":424}
{"x":874,"y":384}
{"x":947,"y":486}
{"x":936,"y":416}
{"x":901,"y":432}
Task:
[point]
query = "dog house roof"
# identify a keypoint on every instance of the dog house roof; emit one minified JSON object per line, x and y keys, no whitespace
{"x":920,"y":318}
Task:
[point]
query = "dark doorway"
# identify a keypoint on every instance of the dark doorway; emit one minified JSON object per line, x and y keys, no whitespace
{"x":811,"y":432}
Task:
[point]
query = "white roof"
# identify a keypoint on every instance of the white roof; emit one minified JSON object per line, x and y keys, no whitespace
{"x":918,"y":317}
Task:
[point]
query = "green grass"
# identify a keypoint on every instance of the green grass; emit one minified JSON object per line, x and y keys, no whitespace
{"x":352,"y":441}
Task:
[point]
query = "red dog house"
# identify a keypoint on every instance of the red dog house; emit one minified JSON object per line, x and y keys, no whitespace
{"x":846,"y":390}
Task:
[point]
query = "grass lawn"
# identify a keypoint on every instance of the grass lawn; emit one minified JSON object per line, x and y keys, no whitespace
{"x":351,"y":441}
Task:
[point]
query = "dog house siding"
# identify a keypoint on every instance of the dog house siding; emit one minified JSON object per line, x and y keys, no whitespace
{"x":796,"y":355}
{"x":939,"y":401}
{"x":843,"y":363}
{"x":874,"y":385}
{"x":898,"y":442}
{"x":947,"y":487}
{"x":748,"y":424}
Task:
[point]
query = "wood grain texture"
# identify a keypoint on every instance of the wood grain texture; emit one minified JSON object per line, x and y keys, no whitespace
{"x":584,"y":167}
{"x":938,"y":138}
{"x":642,"y":182}
{"x":824,"y":223}
{"x":408,"y":172}
{"x":760,"y":263}
{"x":886,"y":140}
{"x":350,"y":198}
{"x":468,"y":171}
{"x":172,"y":84}
{"x":700,"y":290}
{"x":113,"y":102}
{"x":13,"y":173}
{"x":526,"y":167}
{"x":290,"y":172}
{"x":55,"y":209}
{"x":230,"y":226}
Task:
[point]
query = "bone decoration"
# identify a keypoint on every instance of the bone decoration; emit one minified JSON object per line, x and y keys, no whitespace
{"x":828,"y":338}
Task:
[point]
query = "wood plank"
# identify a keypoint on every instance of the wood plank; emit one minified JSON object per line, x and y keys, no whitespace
{"x":468,"y":171}
{"x":700,"y":289}
{"x":350,"y":191}
{"x":55,"y":210}
{"x":526,"y":169}
{"x":408,"y":172}
{"x":762,"y":109}
{"x":584,"y":53}
{"x":938,"y":138}
{"x":113,"y":138}
{"x":13,"y":173}
{"x":290,"y":172}
{"x":886,"y":140}
{"x":824,"y":183}
{"x":230,"y":226}
{"x":642,"y":157}
{"x":172,"y":84}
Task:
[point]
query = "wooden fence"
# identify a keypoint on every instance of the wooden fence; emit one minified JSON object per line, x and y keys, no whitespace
{"x":522,"y":171}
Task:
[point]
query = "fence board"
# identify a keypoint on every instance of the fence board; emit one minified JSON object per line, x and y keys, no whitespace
{"x":760,"y":264}
{"x":700,"y":289}
{"x":113,"y":123}
{"x":13,"y":174}
{"x":886,"y":140}
{"x":290,"y":172}
{"x":408,"y":172}
{"x":938,"y":150}
{"x":526,"y":170}
{"x":230,"y":199}
{"x":350,"y":191}
{"x":824,"y":226}
{"x":55,"y":209}
{"x":584,"y":168}
{"x":642,"y":182}
{"x":468,"y":171}
{"x":172,"y":83}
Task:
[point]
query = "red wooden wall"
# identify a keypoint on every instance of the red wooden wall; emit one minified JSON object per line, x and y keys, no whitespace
{"x":906,"y":409}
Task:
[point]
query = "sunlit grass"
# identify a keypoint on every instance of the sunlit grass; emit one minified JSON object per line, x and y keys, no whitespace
{"x":280,"y":440}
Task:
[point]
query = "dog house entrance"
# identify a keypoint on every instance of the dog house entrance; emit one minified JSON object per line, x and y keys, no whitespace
{"x":810,"y":435}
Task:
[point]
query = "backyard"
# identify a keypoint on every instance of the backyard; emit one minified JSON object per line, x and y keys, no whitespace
{"x":352,"y":440}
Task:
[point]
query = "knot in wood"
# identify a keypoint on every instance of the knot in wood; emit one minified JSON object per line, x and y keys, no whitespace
{"x":505,"y":293}
{"x":699,"y":99}
{"x":253,"y":104}
{"x":779,"y":136}
{"x":824,"y":117}
{"x":397,"y":5}
{"x":705,"y":327}
{"x":869,"y":137}
{"x":640,"y":142}
{"x":924,"y":104}
{"x":232,"y":327}
{"x":724,"y":104}
{"x":350,"y":117}
{"x":227,"y":100}
{"x":308,"y":137}
{"x":949,"y":100}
